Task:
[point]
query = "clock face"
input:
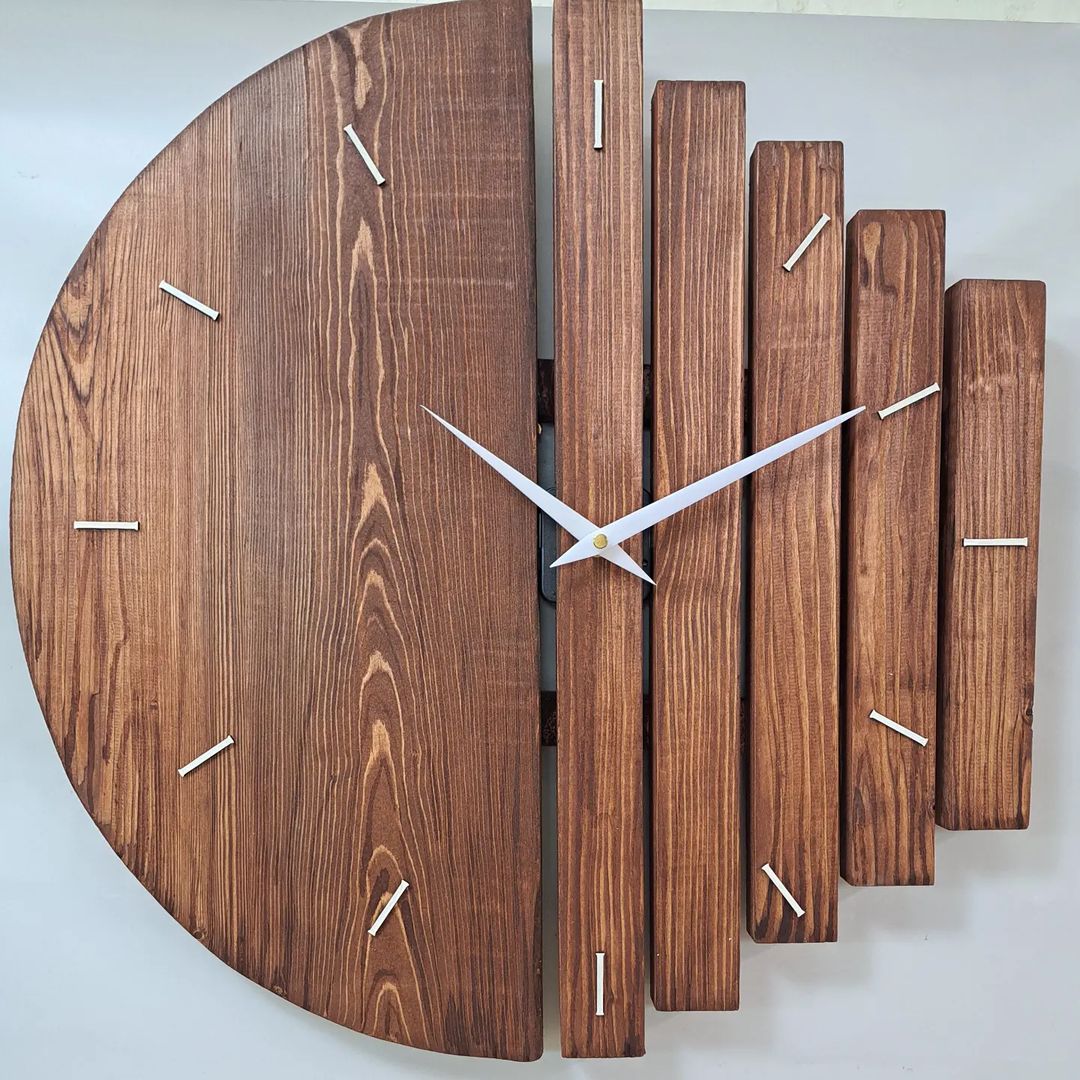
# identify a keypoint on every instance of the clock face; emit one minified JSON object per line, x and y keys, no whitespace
{"x":274,"y":521}
{"x":316,"y":573}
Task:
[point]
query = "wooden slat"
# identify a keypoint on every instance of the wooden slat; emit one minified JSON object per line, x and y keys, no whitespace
{"x":896,"y":283}
{"x":994,"y":349}
{"x":320,"y":571}
{"x":796,"y":367}
{"x":698,"y":339}
{"x":598,"y":360}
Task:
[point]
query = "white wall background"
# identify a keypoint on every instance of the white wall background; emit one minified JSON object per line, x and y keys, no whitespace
{"x":1007,"y":10}
{"x":977,"y":976}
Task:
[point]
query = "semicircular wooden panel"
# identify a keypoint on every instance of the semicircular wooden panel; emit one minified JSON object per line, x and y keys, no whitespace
{"x":319,"y":572}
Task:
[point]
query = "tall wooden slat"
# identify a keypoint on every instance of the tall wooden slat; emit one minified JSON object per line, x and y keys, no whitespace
{"x":320,"y":571}
{"x":994,"y":349}
{"x":598,"y":433}
{"x":896,"y":287}
{"x":796,"y":369}
{"x":699,"y":148}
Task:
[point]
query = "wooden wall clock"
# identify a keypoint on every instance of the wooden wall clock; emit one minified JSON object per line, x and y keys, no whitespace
{"x":274,"y":534}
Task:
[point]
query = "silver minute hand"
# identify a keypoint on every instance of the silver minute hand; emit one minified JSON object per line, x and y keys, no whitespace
{"x":598,"y":541}
{"x":573,"y":522}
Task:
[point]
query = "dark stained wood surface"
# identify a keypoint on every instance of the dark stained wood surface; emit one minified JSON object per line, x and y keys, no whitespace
{"x":699,"y":168}
{"x":994,"y":353}
{"x":321,"y":572}
{"x":896,"y":284}
{"x":598,"y":361}
{"x":796,"y":366}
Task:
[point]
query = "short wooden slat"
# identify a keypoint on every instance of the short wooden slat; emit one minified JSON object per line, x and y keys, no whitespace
{"x":796,"y":368}
{"x":994,"y":349}
{"x":698,"y":339}
{"x":896,"y":285}
{"x":598,"y":364}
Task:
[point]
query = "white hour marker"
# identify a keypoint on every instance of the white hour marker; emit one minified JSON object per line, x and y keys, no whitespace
{"x":388,"y":907}
{"x":903,"y":403}
{"x":172,"y":290}
{"x":770,"y":873}
{"x":913,"y":735}
{"x":598,"y":114}
{"x":599,"y":984}
{"x":362,"y":151}
{"x":129,"y":526}
{"x":797,"y":254}
{"x":205,"y":756}
{"x":998,"y":541}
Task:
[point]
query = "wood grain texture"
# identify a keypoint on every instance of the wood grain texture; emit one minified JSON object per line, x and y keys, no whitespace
{"x":896,"y":297}
{"x":994,"y":353}
{"x":598,"y":446}
{"x":698,"y":325}
{"x":796,"y":369}
{"x":320,"y":571}
{"x":545,"y":393}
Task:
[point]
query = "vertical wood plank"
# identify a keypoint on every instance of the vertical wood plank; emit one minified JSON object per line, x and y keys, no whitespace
{"x":796,"y":367}
{"x":699,"y":148}
{"x":994,"y":352}
{"x":896,"y":284}
{"x":598,"y":361}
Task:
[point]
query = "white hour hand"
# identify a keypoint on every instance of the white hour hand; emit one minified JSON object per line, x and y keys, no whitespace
{"x":573,"y":522}
{"x":595,"y":543}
